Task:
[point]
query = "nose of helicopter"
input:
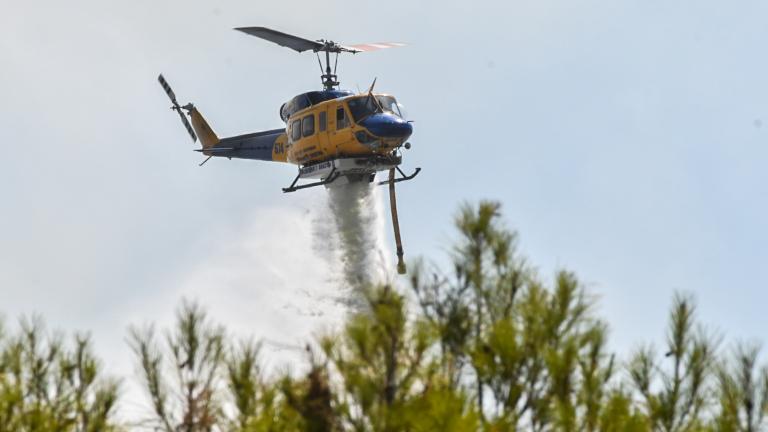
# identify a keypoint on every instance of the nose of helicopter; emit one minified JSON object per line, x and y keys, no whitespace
{"x":387,"y":126}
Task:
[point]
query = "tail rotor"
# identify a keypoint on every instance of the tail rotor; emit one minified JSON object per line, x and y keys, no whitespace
{"x":176,"y":107}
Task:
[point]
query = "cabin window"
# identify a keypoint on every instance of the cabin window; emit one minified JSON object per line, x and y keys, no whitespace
{"x":341,"y":119}
{"x":322,"y":120}
{"x":296,"y":130}
{"x":308,"y":125}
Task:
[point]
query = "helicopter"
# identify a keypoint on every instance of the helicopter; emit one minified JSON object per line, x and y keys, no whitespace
{"x":334,"y":136}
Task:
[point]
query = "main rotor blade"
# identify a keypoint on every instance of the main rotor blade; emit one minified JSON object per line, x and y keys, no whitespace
{"x":282,"y":39}
{"x":373,"y":46}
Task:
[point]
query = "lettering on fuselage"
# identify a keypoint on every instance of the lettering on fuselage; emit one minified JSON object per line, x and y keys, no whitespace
{"x":307,"y":170}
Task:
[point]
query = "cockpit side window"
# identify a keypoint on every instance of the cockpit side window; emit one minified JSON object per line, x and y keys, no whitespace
{"x":308,"y":125}
{"x":322,"y":119}
{"x":362,"y":107}
{"x":388,"y":103}
{"x":341,"y":118}
{"x":295,"y":130}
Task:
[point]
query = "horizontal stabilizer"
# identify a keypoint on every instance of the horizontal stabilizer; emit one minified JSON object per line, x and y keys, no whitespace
{"x":215,"y":149}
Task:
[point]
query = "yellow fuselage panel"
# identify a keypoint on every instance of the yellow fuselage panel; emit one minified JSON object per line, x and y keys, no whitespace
{"x":325,"y":131}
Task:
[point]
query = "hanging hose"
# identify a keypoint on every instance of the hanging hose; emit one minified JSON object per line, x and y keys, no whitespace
{"x":395,"y":224}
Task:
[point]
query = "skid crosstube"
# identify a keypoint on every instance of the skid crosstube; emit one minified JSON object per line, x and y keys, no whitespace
{"x":328,"y":180}
{"x":401,"y":179}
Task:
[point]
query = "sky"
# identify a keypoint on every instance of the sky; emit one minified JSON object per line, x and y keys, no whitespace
{"x":627,"y":142}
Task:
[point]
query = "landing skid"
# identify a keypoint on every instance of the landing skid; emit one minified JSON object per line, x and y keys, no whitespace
{"x":403,"y":178}
{"x":328,"y":180}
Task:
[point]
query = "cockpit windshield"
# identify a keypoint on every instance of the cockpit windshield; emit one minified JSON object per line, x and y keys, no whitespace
{"x":362,"y":107}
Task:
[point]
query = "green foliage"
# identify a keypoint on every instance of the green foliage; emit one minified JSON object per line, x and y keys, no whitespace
{"x":197,"y":380}
{"x":311,"y":399}
{"x":683,"y":391}
{"x":537,"y":356}
{"x":258,"y":405}
{"x":47,"y":384}
{"x":491,"y":346}
{"x":389,"y":378}
{"x":182,"y":376}
{"x":743,"y":392}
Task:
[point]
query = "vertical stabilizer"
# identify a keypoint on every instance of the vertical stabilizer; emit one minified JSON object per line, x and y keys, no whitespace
{"x":204,"y":132}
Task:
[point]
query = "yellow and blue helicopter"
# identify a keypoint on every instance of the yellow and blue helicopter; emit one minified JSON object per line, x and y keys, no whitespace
{"x":334,"y":136}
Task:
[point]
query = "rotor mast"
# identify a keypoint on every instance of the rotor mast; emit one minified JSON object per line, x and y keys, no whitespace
{"x":330,"y":79}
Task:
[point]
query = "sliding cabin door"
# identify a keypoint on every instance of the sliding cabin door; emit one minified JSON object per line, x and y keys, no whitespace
{"x":323,"y":131}
{"x":307,"y":148}
{"x":340,"y":125}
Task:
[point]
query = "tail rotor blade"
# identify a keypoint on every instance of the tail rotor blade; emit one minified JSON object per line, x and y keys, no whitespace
{"x":176,"y":106}
{"x":168,"y":90}
{"x":187,"y":125}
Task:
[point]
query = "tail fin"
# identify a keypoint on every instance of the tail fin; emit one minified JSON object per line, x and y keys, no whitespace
{"x":204,"y":132}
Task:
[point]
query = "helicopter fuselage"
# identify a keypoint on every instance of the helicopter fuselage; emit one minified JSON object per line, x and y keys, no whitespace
{"x":326,"y":125}
{"x":357,"y":134}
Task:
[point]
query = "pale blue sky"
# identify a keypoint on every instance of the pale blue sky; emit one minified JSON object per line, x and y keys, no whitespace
{"x":626,"y":140}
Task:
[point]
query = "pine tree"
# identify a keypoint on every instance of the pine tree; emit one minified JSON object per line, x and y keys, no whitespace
{"x":48,"y":384}
{"x":182,"y":377}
